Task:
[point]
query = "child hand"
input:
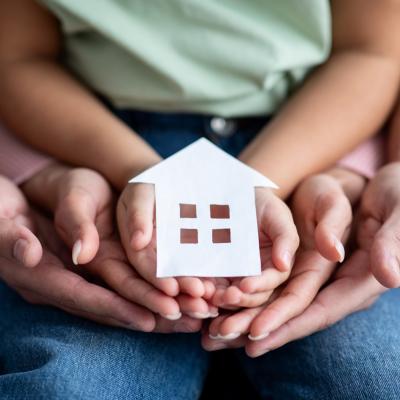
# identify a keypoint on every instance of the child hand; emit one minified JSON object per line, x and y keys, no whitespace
{"x":380,"y":225}
{"x":136,"y":222}
{"x":278,"y":244}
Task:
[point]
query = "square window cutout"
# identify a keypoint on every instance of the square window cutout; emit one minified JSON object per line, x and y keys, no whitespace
{"x":219,"y":211}
{"x":187,"y":210}
{"x":189,"y":236}
{"x":221,"y":236}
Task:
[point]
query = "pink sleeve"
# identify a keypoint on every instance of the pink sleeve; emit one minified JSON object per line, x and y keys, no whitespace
{"x":19,"y":162}
{"x":367,"y":158}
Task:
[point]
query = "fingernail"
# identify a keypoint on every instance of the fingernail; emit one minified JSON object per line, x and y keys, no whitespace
{"x":213,"y":314}
{"x":218,"y":346}
{"x":198,"y":315}
{"x":229,"y":336}
{"x":172,"y":317}
{"x":76,"y":250}
{"x":259,"y":337}
{"x":19,"y":249}
{"x":259,"y":353}
{"x":287,"y":259}
{"x":136,"y":235}
{"x":339,"y":248}
{"x":214,"y":337}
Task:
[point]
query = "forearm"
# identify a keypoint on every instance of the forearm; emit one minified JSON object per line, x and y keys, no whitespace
{"x":342,"y":103}
{"x":59,"y":116}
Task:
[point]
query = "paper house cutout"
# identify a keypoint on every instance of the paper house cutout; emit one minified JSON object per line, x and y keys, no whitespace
{"x":206,"y":221}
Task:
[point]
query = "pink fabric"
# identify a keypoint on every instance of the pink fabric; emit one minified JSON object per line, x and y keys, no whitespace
{"x":19,"y":162}
{"x":367,"y":158}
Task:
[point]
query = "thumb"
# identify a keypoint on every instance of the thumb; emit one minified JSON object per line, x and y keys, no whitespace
{"x":140,"y":214}
{"x":18,"y":243}
{"x":333,"y":219}
{"x":385,"y":253}
{"x":75,"y":218}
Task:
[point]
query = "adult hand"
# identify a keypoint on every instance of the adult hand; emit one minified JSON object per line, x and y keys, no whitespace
{"x":379,"y":232}
{"x":322,"y":211}
{"x":18,"y":244}
{"x":52,"y":283}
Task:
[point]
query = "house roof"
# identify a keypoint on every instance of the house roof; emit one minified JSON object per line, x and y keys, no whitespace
{"x":202,"y":161}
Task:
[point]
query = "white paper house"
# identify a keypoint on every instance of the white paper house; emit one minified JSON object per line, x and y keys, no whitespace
{"x":205,"y":213}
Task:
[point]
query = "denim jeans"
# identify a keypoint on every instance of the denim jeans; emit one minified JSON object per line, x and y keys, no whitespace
{"x":48,"y":354}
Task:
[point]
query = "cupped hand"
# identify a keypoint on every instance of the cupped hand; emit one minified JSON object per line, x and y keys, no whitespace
{"x":17,"y":242}
{"x":52,"y":283}
{"x":136,"y":221}
{"x":82,"y":203}
{"x":322,"y":210}
{"x":379,"y":231}
{"x":353,"y":288}
{"x":278,"y":241}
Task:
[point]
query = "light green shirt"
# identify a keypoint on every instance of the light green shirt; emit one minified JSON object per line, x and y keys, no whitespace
{"x":221,"y":57}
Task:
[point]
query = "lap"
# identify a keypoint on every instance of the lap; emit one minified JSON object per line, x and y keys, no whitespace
{"x":46,"y":353}
{"x":357,"y":358}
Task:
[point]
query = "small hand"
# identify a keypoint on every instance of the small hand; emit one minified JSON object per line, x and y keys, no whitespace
{"x":136,"y":221}
{"x":278,"y":244}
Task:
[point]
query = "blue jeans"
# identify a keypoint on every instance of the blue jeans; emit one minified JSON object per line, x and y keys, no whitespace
{"x":48,"y":354}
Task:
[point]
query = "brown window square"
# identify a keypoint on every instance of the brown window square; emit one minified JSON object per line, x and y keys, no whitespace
{"x":187,"y":210}
{"x":219,"y":211}
{"x":221,"y":235}
{"x":189,"y":236}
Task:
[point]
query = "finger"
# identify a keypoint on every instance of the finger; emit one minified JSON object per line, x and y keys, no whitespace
{"x":162,"y":325}
{"x":212,"y":340}
{"x":140,"y":214}
{"x":269,"y":279}
{"x":196,"y":307}
{"x":366,"y":232}
{"x":277,"y":223}
{"x":144,"y":260}
{"x":347,"y":294}
{"x":36,"y":298}
{"x":333,"y":218}
{"x":183,"y":325}
{"x":236,"y":324}
{"x":209,"y":344}
{"x":19,"y":244}
{"x":123,"y":279}
{"x":295,"y":297}
{"x":64,"y":289}
{"x":385,"y":252}
{"x":235,"y":297}
{"x":209,"y":289}
{"x":191,"y":286}
{"x":75,"y":222}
